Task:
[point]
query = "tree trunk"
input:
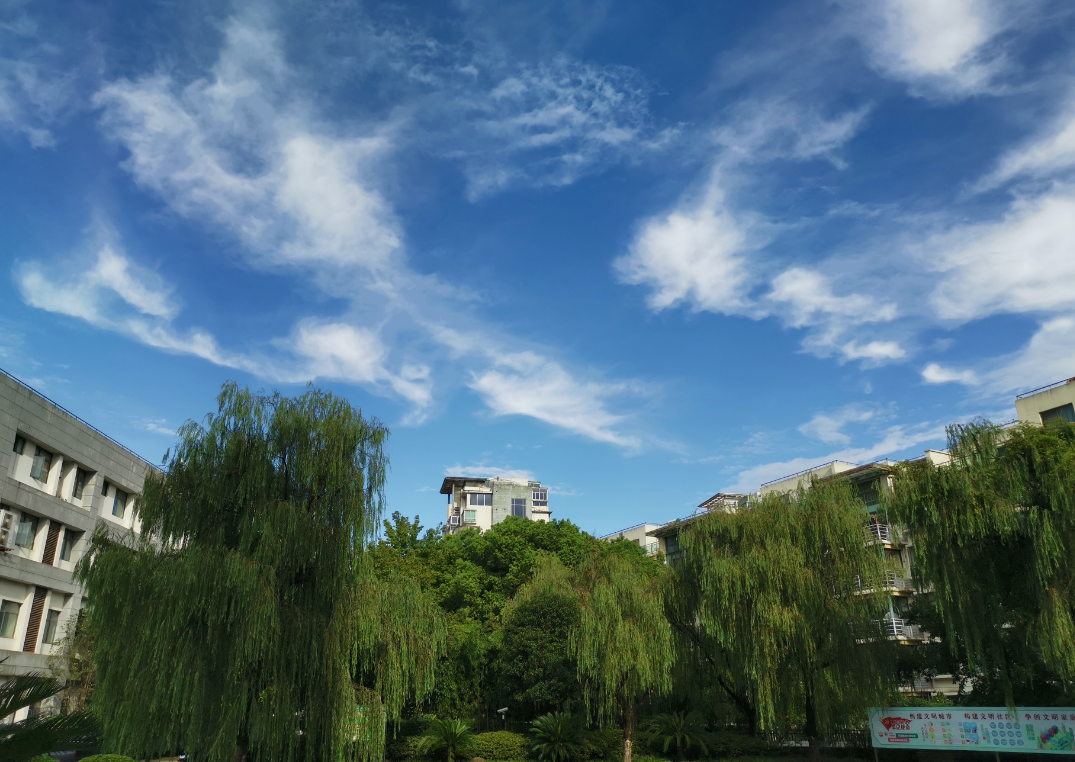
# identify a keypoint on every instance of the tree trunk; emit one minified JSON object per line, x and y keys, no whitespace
{"x":628,"y":731}
{"x":811,"y":725}
{"x":679,"y":749}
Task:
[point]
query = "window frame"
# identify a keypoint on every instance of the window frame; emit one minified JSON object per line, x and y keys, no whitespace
{"x":79,"y":487}
{"x":486,"y":499}
{"x":27,"y":519}
{"x":543,"y":500}
{"x":50,"y":626}
{"x":470,"y":516}
{"x":515,"y":504}
{"x":1058,"y":414}
{"x":123,"y":505}
{"x":20,"y":444}
{"x":67,"y":543}
{"x":5,"y":613}
{"x":42,"y":461}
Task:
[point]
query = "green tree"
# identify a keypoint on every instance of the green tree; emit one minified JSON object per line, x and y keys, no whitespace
{"x":779,"y":590}
{"x":454,"y":737}
{"x":243,"y":622}
{"x":536,"y":660}
{"x":994,"y":538}
{"x":40,"y":733}
{"x":681,"y":729}
{"x":623,"y":642}
{"x":558,"y":737}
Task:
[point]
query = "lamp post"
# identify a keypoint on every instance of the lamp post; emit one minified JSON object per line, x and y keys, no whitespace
{"x":503,"y":717}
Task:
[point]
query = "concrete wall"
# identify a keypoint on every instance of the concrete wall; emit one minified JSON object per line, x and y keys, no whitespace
{"x":637,"y":534}
{"x":1029,"y":408}
{"x":73,"y":444}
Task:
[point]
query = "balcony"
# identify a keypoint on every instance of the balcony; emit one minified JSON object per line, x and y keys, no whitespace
{"x":882,"y":532}
{"x":901,"y":629}
{"x":652,"y":548}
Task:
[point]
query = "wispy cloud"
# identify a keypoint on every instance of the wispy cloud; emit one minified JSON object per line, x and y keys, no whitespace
{"x":935,"y":373}
{"x":829,"y":427}
{"x":481,"y":471}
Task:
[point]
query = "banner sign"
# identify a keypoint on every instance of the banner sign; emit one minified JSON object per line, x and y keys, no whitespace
{"x":1040,"y":730}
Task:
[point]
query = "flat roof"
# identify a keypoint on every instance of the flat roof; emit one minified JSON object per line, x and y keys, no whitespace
{"x":446,"y":485}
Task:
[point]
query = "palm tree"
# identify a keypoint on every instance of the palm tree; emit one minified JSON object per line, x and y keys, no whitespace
{"x":36,"y":735}
{"x":683,"y":729}
{"x":557,"y":737}
{"x":454,"y":736}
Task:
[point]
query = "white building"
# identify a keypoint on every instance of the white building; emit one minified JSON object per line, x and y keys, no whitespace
{"x":482,"y":502}
{"x":1049,"y":404}
{"x":59,"y":478}
{"x":638,"y":533}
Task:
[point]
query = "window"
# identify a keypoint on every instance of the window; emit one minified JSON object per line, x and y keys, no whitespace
{"x":104,"y":489}
{"x":870,"y":492}
{"x":518,"y":506}
{"x":80,"y":483}
{"x":1058,"y":415}
{"x":70,"y":537}
{"x":24,"y":538}
{"x":470,"y":517}
{"x":541,"y":497}
{"x":119,"y":504}
{"x":20,"y":445}
{"x":52,"y":619}
{"x":481,"y":498}
{"x":9,"y":617}
{"x":42,"y":464}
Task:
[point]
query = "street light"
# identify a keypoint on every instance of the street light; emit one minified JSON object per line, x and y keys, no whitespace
{"x":504,"y":717}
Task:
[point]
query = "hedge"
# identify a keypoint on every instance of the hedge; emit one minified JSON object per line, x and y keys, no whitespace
{"x":501,"y":745}
{"x":107,"y":758}
{"x":723,"y":745}
{"x":606,"y":743}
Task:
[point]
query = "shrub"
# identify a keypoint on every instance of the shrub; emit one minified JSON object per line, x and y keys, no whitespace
{"x":501,"y":745}
{"x":558,"y":737}
{"x":605,"y":744}
{"x":107,"y":758}
{"x":723,"y":745}
{"x":454,"y":737}
{"x":409,"y":748}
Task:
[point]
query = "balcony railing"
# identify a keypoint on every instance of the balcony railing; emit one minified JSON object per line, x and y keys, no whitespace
{"x":652,"y":548}
{"x":901,"y":628}
{"x":882,"y":532}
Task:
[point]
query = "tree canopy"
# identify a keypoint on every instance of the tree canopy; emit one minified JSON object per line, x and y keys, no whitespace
{"x":993,"y":533}
{"x":244,"y":622}
{"x":787,"y":590}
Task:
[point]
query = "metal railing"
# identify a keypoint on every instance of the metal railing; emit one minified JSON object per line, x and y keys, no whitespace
{"x":901,"y":628}
{"x":882,"y":532}
{"x":652,"y":548}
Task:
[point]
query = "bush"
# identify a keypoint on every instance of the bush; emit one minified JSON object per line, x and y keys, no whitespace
{"x":605,"y":744}
{"x":405,"y":748}
{"x":725,"y":744}
{"x":501,"y":745}
{"x":107,"y":758}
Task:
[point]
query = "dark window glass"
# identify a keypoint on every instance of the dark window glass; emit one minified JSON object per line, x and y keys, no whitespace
{"x":518,"y":506}
{"x":80,"y":483}
{"x":119,"y":504}
{"x":104,"y":489}
{"x":52,"y":620}
{"x":481,"y":498}
{"x":870,"y":492}
{"x":70,"y":537}
{"x":20,"y":445}
{"x":9,"y":617}
{"x":42,"y":464}
{"x":1059,"y":415}
{"x":24,"y":538}
{"x":541,"y":497}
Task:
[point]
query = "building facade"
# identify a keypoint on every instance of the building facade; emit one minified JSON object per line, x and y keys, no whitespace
{"x":1049,"y":404}
{"x":480,"y":503}
{"x":638,"y":533}
{"x":59,"y":478}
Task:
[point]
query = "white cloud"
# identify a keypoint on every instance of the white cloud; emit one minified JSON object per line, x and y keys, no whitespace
{"x":524,"y":383}
{"x":1049,"y":356}
{"x":896,"y":440}
{"x":1023,"y":263}
{"x":939,"y":48}
{"x":873,"y":351}
{"x":695,"y":256}
{"x":809,"y":296}
{"x":157,"y":426}
{"x":829,"y":427}
{"x":938,"y":374}
{"x":1046,"y":154}
{"x":483,"y":471}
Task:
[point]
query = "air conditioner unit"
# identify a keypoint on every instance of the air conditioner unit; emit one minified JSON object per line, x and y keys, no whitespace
{"x":7,"y":528}
{"x":453,"y":521}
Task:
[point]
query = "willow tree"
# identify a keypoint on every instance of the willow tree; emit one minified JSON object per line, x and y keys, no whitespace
{"x":243,"y":622}
{"x":994,"y":537}
{"x":622,"y":640}
{"x":785,"y":588}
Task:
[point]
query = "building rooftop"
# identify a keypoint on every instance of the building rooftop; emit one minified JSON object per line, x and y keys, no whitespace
{"x":450,"y":481}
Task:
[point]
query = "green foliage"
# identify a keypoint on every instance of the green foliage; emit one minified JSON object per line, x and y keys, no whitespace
{"x":244,"y":620}
{"x":536,"y":656}
{"x":501,"y":745}
{"x":606,"y":743}
{"x":777,"y":591}
{"x":453,"y":737}
{"x":993,"y":533}
{"x":680,"y":731}
{"x":43,"y":733}
{"x":723,"y":745}
{"x":623,"y":642}
{"x":107,"y":758}
{"x":558,"y":737}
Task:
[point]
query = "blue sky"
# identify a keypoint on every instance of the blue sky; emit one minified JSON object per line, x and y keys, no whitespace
{"x":641,"y":251}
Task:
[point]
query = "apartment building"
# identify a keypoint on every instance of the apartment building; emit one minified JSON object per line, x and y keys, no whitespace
{"x":481,"y":502}
{"x":59,"y":478}
{"x":638,"y":533}
{"x":1049,"y":404}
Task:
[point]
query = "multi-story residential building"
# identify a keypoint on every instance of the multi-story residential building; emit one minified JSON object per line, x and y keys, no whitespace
{"x":482,"y":502}
{"x":1049,"y":404}
{"x":59,"y":478}
{"x":638,"y":533}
